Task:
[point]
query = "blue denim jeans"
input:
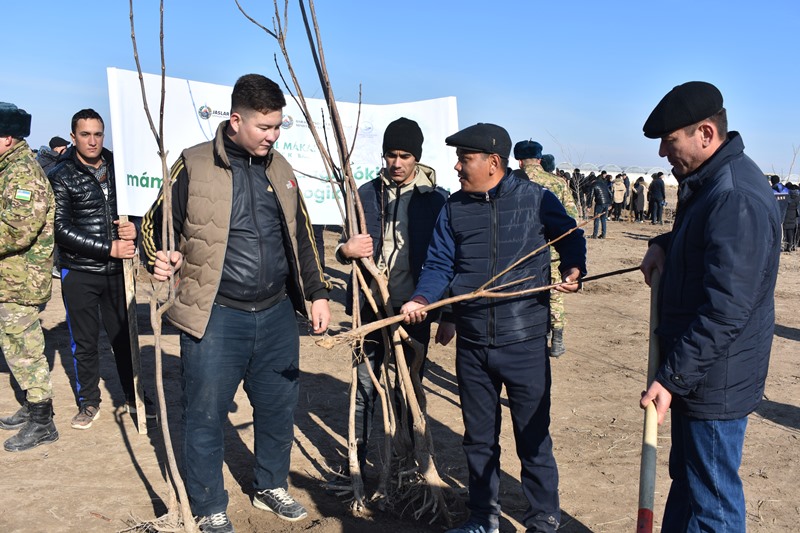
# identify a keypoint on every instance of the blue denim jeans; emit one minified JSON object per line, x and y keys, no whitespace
{"x":600,"y":221}
{"x":262,"y":348}
{"x":706,"y":492}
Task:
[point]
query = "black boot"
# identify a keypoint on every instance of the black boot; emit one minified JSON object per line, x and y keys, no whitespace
{"x":18,"y":419}
{"x":557,"y":348}
{"x":39,"y":429}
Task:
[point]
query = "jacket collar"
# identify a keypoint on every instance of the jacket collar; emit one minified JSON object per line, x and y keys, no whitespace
{"x":695,"y":181}
{"x":221,"y":155}
{"x":71,"y":154}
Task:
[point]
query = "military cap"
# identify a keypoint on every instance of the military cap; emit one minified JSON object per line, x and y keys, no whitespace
{"x":482,"y":137}
{"x":14,"y":121}
{"x":527,"y":150}
{"x":683,"y":106}
{"x":548,"y":162}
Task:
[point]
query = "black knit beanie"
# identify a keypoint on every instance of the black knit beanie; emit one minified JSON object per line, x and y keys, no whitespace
{"x":403,"y":134}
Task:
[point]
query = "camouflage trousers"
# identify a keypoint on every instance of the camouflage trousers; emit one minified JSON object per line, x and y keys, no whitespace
{"x":557,"y":317}
{"x":22,"y":341}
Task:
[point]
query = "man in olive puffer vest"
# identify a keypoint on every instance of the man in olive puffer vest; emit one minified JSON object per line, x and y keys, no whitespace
{"x":247,"y":261}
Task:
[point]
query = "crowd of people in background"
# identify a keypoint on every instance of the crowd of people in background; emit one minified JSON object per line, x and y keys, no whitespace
{"x":614,"y":196}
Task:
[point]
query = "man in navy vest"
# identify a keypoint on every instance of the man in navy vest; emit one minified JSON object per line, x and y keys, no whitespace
{"x":497,"y":220}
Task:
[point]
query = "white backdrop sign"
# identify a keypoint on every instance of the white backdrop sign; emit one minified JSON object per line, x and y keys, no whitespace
{"x":193,"y":110}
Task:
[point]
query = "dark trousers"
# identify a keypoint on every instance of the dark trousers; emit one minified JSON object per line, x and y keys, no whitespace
{"x":374,"y":351}
{"x":261,"y":348}
{"x":524,"y":369}
{"x":789,"y":239}
{"x":656,"y":209}
{"x":88,"y":298}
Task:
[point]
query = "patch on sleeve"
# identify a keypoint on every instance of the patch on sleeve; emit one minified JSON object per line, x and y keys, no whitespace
{"x":23,"y":195}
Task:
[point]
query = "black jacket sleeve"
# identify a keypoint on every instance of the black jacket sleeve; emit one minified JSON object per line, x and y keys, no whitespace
{"x":151,"y":241}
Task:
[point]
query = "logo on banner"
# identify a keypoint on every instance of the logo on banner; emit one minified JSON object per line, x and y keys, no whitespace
{"x":287,"y":122}
{"x":206,"y":113}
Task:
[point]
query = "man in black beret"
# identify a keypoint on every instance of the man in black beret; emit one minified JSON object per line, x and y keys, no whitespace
{"x":400,"y":209}
{"x":718,"y":269}
{"x":497,"y":219}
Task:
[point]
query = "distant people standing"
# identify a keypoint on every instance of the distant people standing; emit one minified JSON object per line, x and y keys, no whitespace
{"x":638,"y":200}
{"x":529,"y":155}
{"x":656,"y":192}
{"x":26,"y":257}
{"x":48,"y":156}
{"x":91,"y":246}
{"x":601,"y":197}
{"x":575,"y":183}
{"x":618,"y":192}
{"x":790,"y":219}
{"x":587,"y":185}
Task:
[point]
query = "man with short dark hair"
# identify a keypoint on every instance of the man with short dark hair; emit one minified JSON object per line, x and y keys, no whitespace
{"x":247,"y":261}
{"x":497,"y":219}
{"x":91,"y":246}
{"x":716,"y":306}
{"x":26,"y":257}
{"x":47,"y":156}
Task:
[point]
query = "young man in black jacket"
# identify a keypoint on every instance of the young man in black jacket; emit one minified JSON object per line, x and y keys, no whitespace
{"x":91,"y":245}
{"x":400,"y":208}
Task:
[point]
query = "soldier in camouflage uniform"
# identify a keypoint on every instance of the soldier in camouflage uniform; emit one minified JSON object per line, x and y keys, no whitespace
{"x":26,"y":260}
{"x":529,"y":155}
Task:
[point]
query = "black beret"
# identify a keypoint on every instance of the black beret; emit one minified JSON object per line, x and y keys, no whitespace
{"x":14,"y":122}
{"x":57,"y":141}
{"x":527,"y":150}
{"x":683,"y":106}
{"x":482,"y":137}
{"x":403,"y":134}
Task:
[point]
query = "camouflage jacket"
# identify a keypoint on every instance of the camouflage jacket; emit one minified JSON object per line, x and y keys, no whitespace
{"x":26,"y":228}
{"x":554,"y":184}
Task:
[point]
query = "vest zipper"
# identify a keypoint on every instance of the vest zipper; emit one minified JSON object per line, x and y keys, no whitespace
{"x":492,"y":261}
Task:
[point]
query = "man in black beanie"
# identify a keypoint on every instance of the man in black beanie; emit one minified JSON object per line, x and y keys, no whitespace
{"x":716,"y":306}
{"x":400,"y":209}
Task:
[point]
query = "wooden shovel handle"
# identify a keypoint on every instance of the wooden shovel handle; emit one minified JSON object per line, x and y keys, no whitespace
{"x":647,"y":467}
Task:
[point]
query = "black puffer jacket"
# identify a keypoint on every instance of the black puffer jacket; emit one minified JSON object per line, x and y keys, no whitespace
{"x":600,"y":193}
{"x":84,"y":216}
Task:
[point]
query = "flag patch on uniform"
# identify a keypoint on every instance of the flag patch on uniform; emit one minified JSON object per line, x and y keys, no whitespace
{"x":23,"y":195}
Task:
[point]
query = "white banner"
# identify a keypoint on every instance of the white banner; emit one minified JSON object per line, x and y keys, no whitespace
{"x":193,"y":110}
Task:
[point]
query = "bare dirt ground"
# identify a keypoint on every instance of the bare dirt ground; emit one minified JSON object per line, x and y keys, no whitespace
{"x":101,"y":479}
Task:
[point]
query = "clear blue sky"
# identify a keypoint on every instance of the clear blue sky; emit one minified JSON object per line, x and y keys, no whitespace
{"x":580,"y":77}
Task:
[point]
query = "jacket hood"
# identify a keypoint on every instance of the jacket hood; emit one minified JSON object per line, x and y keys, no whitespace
{"x":425,"y":180}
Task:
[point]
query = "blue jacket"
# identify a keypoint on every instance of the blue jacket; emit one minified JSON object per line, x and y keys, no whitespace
{"x":716,"y":298}
{"x":479,"y":235}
